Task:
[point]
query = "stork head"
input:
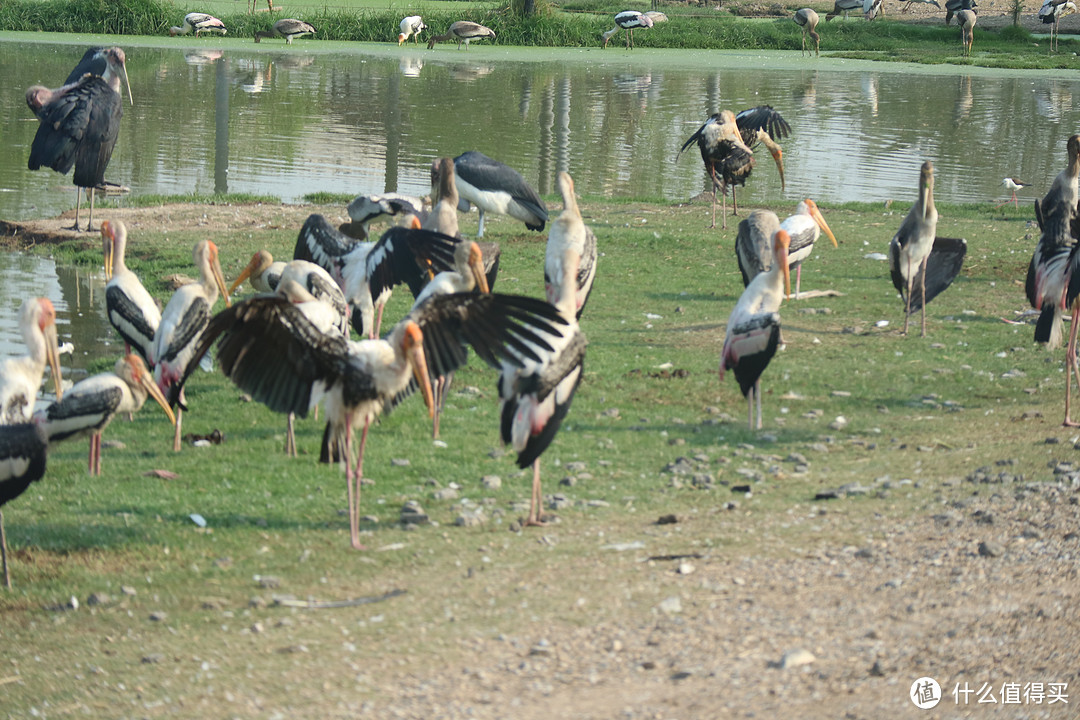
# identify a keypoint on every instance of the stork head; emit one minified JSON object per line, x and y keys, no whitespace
{"x":39,"y":320}
{"x":475,"y":263}
{"x":812,"y":210}
{"x":116,"y":63}
{"x":132,"y":370}
{"x":926,"y":187}
{"x":206,"y":260}
{"x":258,"y":264}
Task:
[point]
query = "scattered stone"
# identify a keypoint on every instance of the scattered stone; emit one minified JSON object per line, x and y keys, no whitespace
{"x":413,"y":514}
{"x":446,"y":494}
{"x":127,"y":590}
{"x":989,"y":548}
{"x":399,"y":462}
{"x":159,"y":616}
{"x":745,"y":489}
{"x":731,"y":505}
{"x":542,"y":649}
{"x":268,"y":582}
{"x":152,"y":658}
{"x":670,"y":606}
{"x":491,"y":482}
{"x":98,"y":599}
{"x":667,"y":519}
{"x":685,"y":568}
{"x":839,"y":423}
{"x":796,"y":658}
{"x":558,"y":501}
{"x":568,"y":481}
{"x":472,"y":518}
{"x":575,"y":467}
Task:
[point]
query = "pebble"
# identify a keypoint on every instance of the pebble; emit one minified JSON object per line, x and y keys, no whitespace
{"x":670,"y":606}
{"x":471,"y":519}
{"x":575,"y":467}
{"x":127,"y":590}
{"x":989,"y":548}
{"x":413,"y":514}
{"x":686,"y":568}
{"x":399,"y":462}
{"x":152,"y":658}
{"x":268,"y":582}
{"x":159,"y":616}
{"x":795,"y":658}
{"x":98,"y":599}
{"x":446,"y":494}
{"x":491,"y":482}
{"x":569,"y":481}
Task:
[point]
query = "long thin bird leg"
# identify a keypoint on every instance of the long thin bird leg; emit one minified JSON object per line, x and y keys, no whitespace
{"x":734,"y":202}
{"x":176,"y":435}
{"x":757,"y":395}
{"x":3,"y":552}
{"x":922,"y":288}
{"x":90,"y":192}
{"x":798,"y":280}
{"x":358,"y":480}
{"x":750,"y":409}
{"x":290,"y":436}
{"x":1071,"y":366}
{"x":378,"y":322}
{"x":907,"y":308}
{"x":354,"y":527}
{"x":78,"y":206}
{"x":536,"y":501}
{"x":712,"y":174}
{"x":480,"y":230}
{"x":95,"y":453}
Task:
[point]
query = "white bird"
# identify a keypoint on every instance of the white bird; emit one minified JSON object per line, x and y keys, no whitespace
{"x":569,"y":237}
{"x":271,"y":350}
{"x":966,"y":20}
{"x":131,"y":309}
{"x":365,"y":209}
{"x":807,"y":19}
{"x":1051,"y":12}
{"x":263,"y":272}
{"x":182,"y":324}
{"x":498,"y":188}
{"x":321,"y":285}
{"x":411,"y":28}
{"x":627,"y":20}
{"x":23,"y":456}
{"x":20,"y":377}
{"x":753,"y":328}
{"x":200,"y":23}
{"x":287,"y":28}
{"x":90,"y":405}
{"x":463,"y":31}
{"x":804,"y":228}
{"x":1012,"y":185}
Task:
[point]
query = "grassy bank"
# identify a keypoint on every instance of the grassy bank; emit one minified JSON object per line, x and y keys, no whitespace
{"x":576,"y":25}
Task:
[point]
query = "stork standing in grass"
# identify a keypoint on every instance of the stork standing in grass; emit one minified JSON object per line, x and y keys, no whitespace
{"x":131,"y":309}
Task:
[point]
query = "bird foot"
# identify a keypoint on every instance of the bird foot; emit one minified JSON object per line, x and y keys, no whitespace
{"x":357,"y":545}
{"x":531,"y":522}
{"x":1070,"y":423}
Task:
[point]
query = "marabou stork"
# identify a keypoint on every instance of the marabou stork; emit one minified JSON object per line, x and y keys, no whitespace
{"x":753,"y":243}
{"x":287,"y":28}
{"x":1012,"y":185}
{"x":200,"y":23}
{"x":263,"y":272}
{"x":90,"y":405}
{"x":966,"y":20}
{"x":23,"y":450}
{"x":411,"y":28}
{"x":1052,"y":11}
{"x":807,"y":19}
{"x":843,"y":6}
{"x":365,"y":209}
{"x":129,"y":306}
{"x":917,"y":257}
{"x":726,"y":142}
{"x":497,"y":188}
{"x":569,"y":237}
{"x":268,"y":348}
{"x":753,"y":328}
{"x":444,"y":194}
{"x":954,"y":6}
{"x":627,"y":20}
{"x":182,"y":324}
{"x":464,"y":32}
{"x":20,"y":377}
{"x":803,"y":229}
{"x":80,"y":122}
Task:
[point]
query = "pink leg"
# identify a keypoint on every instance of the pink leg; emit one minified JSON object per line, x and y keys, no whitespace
{"x":798,"y":280}
{"x":378,"y":322}
{"x":358,"y":479}
{"x":290,"y":436}
{"x":922,"y":288}
{"x":176,"y":435}
{"x":354,"y":535}
{"x":537,"y":498}
{"x":3,"y":552}
{"x":97,"y":454}
{"x":1071,"y":367}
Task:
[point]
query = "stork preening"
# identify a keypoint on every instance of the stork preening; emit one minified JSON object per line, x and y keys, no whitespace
{"x":411,"y":28}
{"x":365,"y":209}
{"x":726,"y":142}
{"x":1051,"y":12}
{"x":1065,"y":190}
{"x":80,"y":122}
{"x":287,"y":28}
{"x":90,"y":405}
{"x":952,"y":7}
{"x":268,"y":348}
{"x":182,"y":324}
{"x":753,"y":328}
{"x":497,"y":188}
{"x":627,"y":20}
{"x":463,"y":31}
{"x":23,"y":450}
{"x":966,"y":20}
{"x":200,"y":23}
{"x":569,"y":237}
{"x":807,"y":19}
{"x":1012,"y":185}
{"x":923,"y":265}
{"x":843,"y":6}
{"x":20,"y":377}
{"x":130,"y":308}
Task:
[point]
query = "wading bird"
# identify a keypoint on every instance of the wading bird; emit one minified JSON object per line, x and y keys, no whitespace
{"x":464,"y":32}
{"x":80,"y":123}
{"x":753,"y":328}
{"x":807,"y":19}
{"x":872,"y":8}
{"x":365,"y":209}
{"x":20,"y":377}
{"x":923,"y":265}
{"x":954,"y":6}
{"x":90,"y":405}
{"x":497,"y":188}
{"x":966,"y":20}
{"x":287,"y":28}
{"x":627,"y":20}
{"x":1064,"y":192}
{"x":182,"y":324}
{"x":263,"y":272}
{"x":843,"y":6}
{"x":200,"y":23}
{"x":411,"y":28}
{"x":443,"y":217}
{"x":1012,"y":185}
{"x":268,"y":348}
{"x":726,"y":143}
{"x":1051,"y":12}
{"x":128,"y":305}
{"x":23,"y":450}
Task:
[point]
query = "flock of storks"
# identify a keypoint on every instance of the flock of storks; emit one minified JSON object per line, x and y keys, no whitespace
{"x":290,"y":346}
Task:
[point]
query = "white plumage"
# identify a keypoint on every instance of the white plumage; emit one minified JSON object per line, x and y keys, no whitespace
{"x":20,"y":377}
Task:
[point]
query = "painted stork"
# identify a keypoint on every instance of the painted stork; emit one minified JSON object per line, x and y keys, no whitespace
{"x":918,"y":258}
{"x":1012,"y":185}
{"x":569,"y":237}
{"x":319,"y":283}
{"x":753,"y":328}
{"x":807,"y":19}
{"x":966,"y":20}
{"x":268,"y":348}
{"x":726,"y":142}
{"x":498,"y":188}
{"x":954,"y":6}
{"x":628,"y":20}
{"x":23,"y":450}
{"x":873,"y":8}
{"x":80,"y":123}
{"x":365,"y":209}
{"x":287,"y":28}
{"x":182,"y":324}
{"x":200,"y":23}
{"x":411,"y":28}
{"x":263,"y":272}
{"x":804,"y":228}
{"x":843,"y":6}
{"x":444,"y":193}
{"x":1051,"y":12}
{"x":90,"y":405}
{"x":20,"y":377}
{"x":464,"y":32}
{"x":128,"y":305}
